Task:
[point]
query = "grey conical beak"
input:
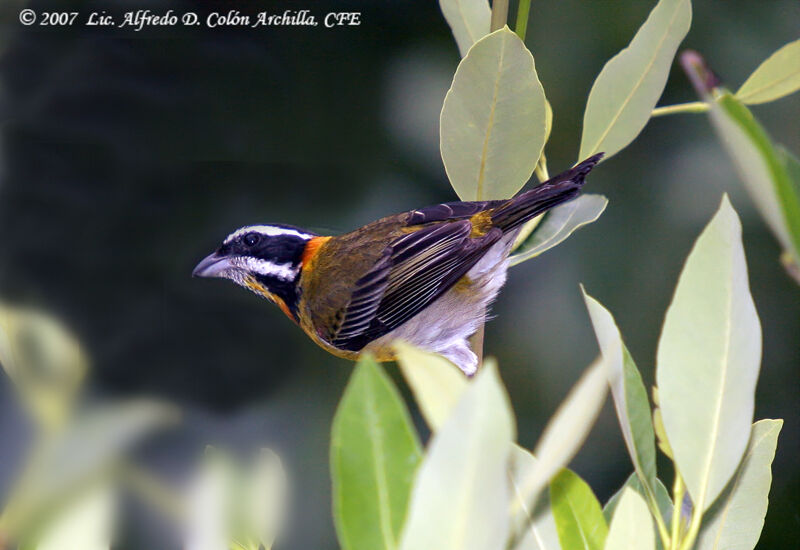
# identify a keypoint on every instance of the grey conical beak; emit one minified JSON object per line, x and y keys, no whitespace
{"x":213,"y":265}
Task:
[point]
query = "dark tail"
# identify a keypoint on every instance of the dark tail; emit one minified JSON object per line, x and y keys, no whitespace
{"x":527,"y":205}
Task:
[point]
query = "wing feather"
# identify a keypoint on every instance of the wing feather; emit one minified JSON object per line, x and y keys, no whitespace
{"x":415,"y":270}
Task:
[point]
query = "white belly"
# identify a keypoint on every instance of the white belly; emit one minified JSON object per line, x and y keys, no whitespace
{"x":445,"y":326}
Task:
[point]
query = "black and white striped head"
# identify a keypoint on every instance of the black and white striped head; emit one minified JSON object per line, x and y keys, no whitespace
{"x":264,"y":258}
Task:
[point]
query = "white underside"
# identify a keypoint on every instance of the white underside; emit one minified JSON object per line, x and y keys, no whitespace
{"x":445,"y":326}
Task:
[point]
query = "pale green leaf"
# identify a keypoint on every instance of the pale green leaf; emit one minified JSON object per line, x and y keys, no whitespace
{"x":663,"y":501}
{"x":268,"y":495}
{"x":761,"y":168}
{"x":631,"y":525}
{"x":374,"y":454}
{"x":45,"y":362}
{"x":558,"y":224}
{"x":492,"y":126}
{"x":735,"y":521}
{"x":436,"y":382}
{"x":578,"y":517}
{"x":566,"y":431}
{"x":630,"y":395}
{"x":708,"y":360}
{"x":468,"y":19}
{"x":630,"y":84}
{"x":84,"y":451}
{"x":437,"y":385}
{"x":776,"y":77}
{"x":86,"y":524}
{"x":460,"y":495}
{"x":230,"y":504}
{"x":548,"y":120}
{"x":533,"y":525}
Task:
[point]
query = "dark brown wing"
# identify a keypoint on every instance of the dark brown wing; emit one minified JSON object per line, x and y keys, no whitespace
{"x":415,"y":270}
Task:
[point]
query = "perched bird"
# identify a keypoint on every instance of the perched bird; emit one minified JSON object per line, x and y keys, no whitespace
{"x":426,"y":276}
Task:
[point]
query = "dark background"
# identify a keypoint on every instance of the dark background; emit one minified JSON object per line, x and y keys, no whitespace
{"x":127,"y":156}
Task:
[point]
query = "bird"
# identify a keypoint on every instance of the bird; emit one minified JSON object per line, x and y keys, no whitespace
{"x":426,"y":277}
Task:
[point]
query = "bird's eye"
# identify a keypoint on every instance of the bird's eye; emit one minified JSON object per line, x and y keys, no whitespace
{"x":251,"y":239}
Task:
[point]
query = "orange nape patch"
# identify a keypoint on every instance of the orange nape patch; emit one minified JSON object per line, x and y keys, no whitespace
{"x":481,"y":224}
{"x":311,"y":250}
{"x":260,"y":289}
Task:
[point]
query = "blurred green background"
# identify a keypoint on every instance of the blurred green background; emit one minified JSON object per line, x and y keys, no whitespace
{"x":127,"y":156}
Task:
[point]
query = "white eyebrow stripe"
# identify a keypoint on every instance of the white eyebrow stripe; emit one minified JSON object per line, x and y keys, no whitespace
{"x":268,"y":231}
{"x":285,"y":272}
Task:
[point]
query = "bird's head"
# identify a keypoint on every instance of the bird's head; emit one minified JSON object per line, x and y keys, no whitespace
{"x":263,"y":258}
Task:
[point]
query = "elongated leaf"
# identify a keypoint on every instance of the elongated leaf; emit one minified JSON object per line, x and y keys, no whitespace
{"x":558,"y":224}
{"x":579,"y":519}
{"x":437,"y":385}
{"x":460,"y":495}
{"x":628,"y":87}
{"x":735,"y":521}
{"x":566,"y":430}
{"x":81,"y":453}
{"x":708,"y":360}
{"x":533,"y":525}
{"x":630,"y":396}
{"x":761,"y":168}
{"x":45,"y":362}
{"x":374,"y":454}
{"x":777,"y":76}
{"x":468,"y":19}
{"x":631,"y":526}
{"x":86,"y":524}
{"x":663,"y":499}
{"x":492,"y":127}
{"x":436,"y":382}
{"x":268,"y":495}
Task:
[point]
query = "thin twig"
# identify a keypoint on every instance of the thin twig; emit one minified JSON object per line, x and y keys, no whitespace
{"x":499,"y":14}
{"x":523,"y":11}
{"x":691,"y":107}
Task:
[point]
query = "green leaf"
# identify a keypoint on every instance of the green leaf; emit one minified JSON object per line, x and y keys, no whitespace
{"x":708,"y":360}
{"x":460,"y":495}
{"x":45,"y":362}
{"x":662,"y":497}
{"x":761,"y":168}
{"x":87,"y":524}
{"x":436,"y":382}
{"x":468,"y":19}
{"x":533,"y":525}
{"x":630,"y":395}
{"x":630,"y":84}
{"x":658,"y":427}
{"x":558,"y":224}
{"x":776,"y":77}
{"x":437,"y":385}
{"x":82,"y":452}
{"x":575,"y":417}
{"x":492,"y":127}
{"x":579,"y":519}
{"x":374,"y":453}
{"x":631,"y":526}
{"x":735,"y":521}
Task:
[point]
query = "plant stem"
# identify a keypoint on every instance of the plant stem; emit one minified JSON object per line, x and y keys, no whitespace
{"x":691,"y":107}
{"x":656,"y":513}
{"x":523,"y":10}
{"x":499,"y":14}
{"x":678,"y":490}
{"x":694,"y":528}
